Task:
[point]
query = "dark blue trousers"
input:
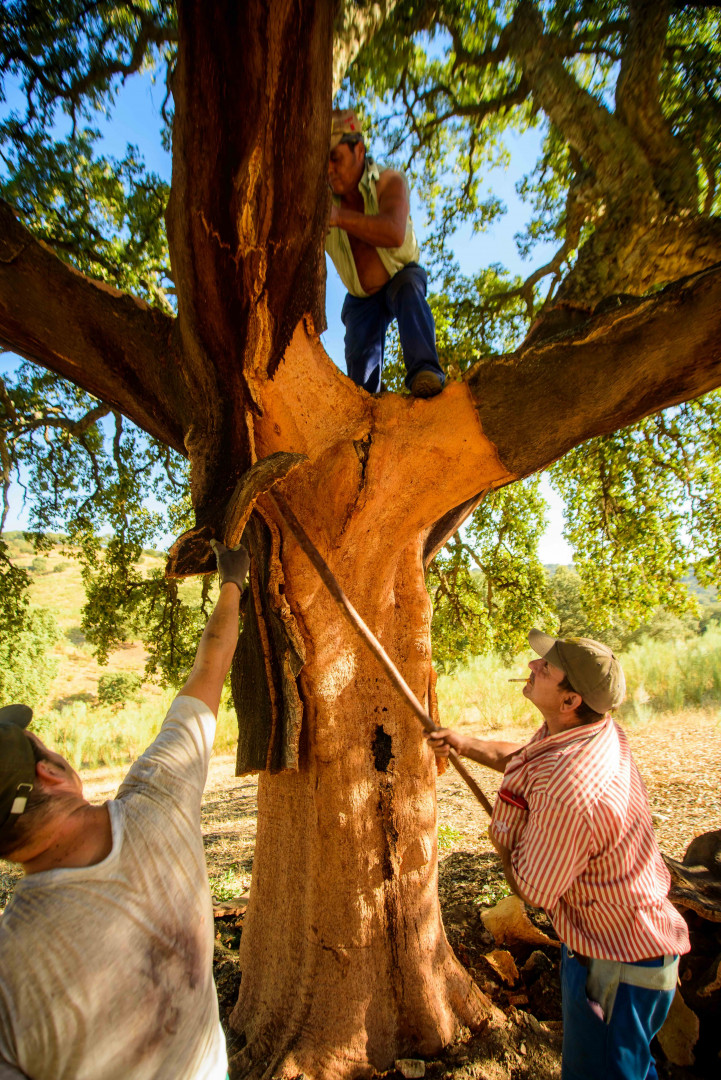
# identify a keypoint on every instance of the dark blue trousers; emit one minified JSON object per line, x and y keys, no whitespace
{"x":367,"y":318}
{"x":619,"y":1049}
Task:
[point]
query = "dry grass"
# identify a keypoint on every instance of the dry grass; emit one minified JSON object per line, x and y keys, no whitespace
{"x":70,"y":719}
{"x":61,"y":592}
{"x":679,"y":757}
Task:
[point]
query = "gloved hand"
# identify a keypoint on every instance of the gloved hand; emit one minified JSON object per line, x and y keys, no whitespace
{"x":232,"y":563}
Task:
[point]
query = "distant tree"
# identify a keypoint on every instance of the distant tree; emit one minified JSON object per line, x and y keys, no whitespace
{"x":118,"y":687}
{"x":565,"y":587}
{"x":488,"y":585}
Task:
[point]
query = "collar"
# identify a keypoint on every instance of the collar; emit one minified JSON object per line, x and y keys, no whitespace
{"x":370,"y":172}
{"x":543,"y":742}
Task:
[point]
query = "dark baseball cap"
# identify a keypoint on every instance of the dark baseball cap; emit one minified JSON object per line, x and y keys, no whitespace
{"x":590,"y":667}
{"x":17,"y":762}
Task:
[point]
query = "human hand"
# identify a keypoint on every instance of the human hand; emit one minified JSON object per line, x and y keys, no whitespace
{"x":232,"y":563}
{"x":444,"y":740}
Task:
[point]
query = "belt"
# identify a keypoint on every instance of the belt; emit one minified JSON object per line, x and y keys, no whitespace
{"x":652,"y":961}
{"x":604,"y":976}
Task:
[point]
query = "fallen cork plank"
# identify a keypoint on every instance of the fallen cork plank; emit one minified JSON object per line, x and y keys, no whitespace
{"x":229,"y":909}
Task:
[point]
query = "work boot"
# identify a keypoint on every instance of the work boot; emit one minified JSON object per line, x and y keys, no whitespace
{"x":426,"y":384}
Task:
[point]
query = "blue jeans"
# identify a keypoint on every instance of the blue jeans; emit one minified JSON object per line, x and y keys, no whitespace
{"x":619,"y":1049}
{"x":367,"y":318}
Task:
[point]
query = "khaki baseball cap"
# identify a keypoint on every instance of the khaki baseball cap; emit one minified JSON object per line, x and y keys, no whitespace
{"x":590,"y":667}
{"x":345,"y":127}
{"x":17,"y":762}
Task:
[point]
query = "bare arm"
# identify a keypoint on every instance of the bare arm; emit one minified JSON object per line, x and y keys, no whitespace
{"x":217,"y":645}
{"x":216,"y":648}
{"x":492,"y":754}
{"x":387,"y":228}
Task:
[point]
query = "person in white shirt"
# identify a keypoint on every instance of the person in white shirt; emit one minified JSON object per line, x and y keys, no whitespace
{"x":106,"y":946}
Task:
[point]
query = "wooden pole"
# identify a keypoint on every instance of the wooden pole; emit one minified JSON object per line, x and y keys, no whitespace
{"x":329,"y":580}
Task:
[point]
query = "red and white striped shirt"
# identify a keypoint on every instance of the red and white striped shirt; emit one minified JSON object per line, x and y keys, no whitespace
{"x":574,"y":812}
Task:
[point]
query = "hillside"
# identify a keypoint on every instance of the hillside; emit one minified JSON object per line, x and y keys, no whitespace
{"x":57,"y":586}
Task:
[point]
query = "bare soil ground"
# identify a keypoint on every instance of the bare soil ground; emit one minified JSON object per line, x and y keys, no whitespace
{"x":680,"y":760}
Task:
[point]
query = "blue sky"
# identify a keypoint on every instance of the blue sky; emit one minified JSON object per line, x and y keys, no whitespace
{"x":136,"y":119}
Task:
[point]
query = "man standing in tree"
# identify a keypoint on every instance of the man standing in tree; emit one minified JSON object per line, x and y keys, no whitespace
{"x":573,"y":829}
{"x":106,"y":947}
{"x":374,"y":248}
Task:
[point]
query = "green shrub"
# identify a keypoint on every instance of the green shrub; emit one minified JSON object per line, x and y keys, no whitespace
{"x":118,"y":687}
{"x":25,"y":669}
{"x":39,"y":565}
{"x":667,"y":676}
{"x":106,"y":735}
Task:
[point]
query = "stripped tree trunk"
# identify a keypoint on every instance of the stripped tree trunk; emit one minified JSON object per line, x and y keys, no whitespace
{"x":344,"y":891}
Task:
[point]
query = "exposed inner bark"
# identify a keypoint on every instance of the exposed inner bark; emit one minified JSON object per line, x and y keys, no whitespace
{"x":351,"y":836}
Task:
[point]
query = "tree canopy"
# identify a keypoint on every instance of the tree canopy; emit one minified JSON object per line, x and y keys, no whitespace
{"x":610,"y":88}
{"x":627,"y":101}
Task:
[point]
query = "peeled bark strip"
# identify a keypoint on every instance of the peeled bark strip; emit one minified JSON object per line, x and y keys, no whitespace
{"x":270,"y":653}
{"x":260,"y":478}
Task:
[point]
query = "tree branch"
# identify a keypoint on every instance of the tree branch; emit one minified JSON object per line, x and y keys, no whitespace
{"x":73,"y":427}
{"x":638,"y":103}
{"x":356,"y":24}
{"x":114,"y":346}
{"x":617,"y":368}
{"x":605,"y":144}
{"x":101,"y":69}
{"x":150,"y":34}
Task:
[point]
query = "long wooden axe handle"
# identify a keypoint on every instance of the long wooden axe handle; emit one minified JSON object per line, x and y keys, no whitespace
{"x":368,"y":637}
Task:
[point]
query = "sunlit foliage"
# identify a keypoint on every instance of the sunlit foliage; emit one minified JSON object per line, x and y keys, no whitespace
{"x":446,"y":89}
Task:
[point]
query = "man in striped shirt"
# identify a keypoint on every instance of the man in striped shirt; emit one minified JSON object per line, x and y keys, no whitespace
{"x":573,"y":829}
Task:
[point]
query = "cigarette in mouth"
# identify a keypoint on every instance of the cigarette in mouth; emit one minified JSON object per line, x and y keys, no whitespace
{"x":518,"y":680}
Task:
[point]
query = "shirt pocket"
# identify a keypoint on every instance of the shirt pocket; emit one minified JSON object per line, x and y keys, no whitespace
{"x":510,"y":815}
